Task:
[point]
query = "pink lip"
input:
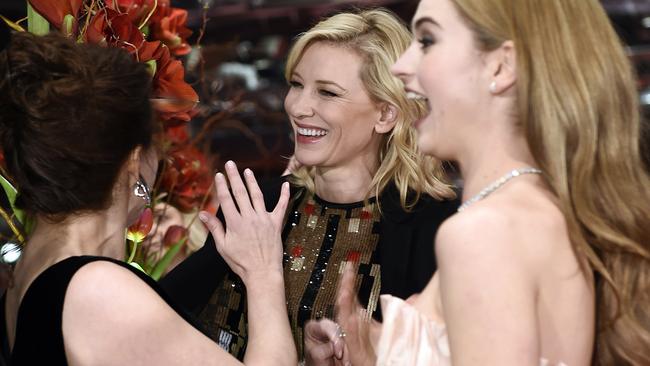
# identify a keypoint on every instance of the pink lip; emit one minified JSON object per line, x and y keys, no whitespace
{"x":302,"y":125}
{"x":300,"y":139}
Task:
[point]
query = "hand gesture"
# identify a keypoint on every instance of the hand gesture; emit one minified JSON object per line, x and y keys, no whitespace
{"x":251,"y":244}
{"x":360,"y":332}
{"x":324,"y":344}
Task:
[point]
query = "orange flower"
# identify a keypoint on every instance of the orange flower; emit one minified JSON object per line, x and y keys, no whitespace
{"x":55,"y":11}
{"x":141,"y":228}
{"x":171,"y":30}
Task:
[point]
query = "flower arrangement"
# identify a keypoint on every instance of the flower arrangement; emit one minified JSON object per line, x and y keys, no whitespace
{"x":154,"y":33}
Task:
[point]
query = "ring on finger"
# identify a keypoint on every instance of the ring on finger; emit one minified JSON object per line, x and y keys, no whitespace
{"x":340,"y":333}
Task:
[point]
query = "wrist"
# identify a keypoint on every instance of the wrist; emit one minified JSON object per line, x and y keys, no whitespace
{"x":263,"y":279}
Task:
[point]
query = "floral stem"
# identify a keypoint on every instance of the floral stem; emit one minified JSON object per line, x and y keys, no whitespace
{"x":133,"y":250}
{"x":146,"y":20}
{"x":13,"y":227}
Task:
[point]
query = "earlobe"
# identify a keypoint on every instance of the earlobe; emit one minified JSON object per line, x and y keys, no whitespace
{"x":387,"y":119}
{"x":505,"y":71}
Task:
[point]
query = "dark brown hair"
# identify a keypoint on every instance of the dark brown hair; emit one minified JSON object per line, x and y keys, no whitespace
{"x":70,"y":114}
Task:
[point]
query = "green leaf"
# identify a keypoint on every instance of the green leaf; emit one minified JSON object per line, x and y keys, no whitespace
{"x":166,"y":260}
{"x":11,"y":193}
{"x":36,"y":24}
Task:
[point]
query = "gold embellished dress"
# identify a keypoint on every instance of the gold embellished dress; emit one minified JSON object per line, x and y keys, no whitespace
{"x":318,"y":237}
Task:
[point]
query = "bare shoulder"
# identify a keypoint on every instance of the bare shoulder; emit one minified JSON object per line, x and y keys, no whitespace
{"x":133,"y":322}
{"x":521,"y":225}
{"x":102,"y":281}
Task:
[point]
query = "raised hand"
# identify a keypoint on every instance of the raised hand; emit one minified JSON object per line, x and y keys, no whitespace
{"x":360,"y":333}
{"x":251,"y":244}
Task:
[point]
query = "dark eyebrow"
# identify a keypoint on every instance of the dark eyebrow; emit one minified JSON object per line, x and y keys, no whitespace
{"x":422,"y":20}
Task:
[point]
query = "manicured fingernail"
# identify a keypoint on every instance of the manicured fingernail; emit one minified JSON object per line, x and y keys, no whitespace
{"x":248,"y":172}
{"x":339,"y":354}
{"x":203,"y":216}
{"x":230,"y":164}
{"x":219,"y":175}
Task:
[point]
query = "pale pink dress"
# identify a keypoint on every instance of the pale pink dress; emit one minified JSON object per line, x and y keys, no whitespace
{"x":409,"y":338}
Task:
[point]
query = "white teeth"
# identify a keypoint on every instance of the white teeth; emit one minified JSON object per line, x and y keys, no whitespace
{"x":311,"y":132}
{"x":416,"y":96}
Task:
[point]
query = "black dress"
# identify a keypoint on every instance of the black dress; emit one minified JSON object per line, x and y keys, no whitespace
{"x":395,"y":251}
{"x":39,"y":334}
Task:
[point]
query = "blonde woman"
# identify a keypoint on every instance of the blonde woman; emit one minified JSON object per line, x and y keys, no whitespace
{"x":548,"y":258}
{"x":363,"y":194}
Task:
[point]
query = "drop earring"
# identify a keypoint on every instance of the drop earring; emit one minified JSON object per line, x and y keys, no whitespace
{"x":141,"y":190}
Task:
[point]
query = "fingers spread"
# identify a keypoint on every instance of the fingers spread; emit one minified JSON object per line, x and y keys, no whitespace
{"x":215,"y":226}
{"x":225,"y":199}
{"x":281,"y":207}
{"x":254,"y":190}
{"x":239,"y":191}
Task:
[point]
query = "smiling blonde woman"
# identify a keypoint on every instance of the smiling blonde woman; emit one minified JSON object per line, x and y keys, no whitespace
{"x":363,"y":194}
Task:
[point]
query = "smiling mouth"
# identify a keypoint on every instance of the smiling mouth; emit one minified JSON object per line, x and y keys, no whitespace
{"x":311,"y":132}
{"x":417,"y":96}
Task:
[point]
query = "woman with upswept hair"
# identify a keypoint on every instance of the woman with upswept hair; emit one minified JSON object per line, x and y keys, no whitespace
{"x":77,"y":131}
{"x":363,"y":193}
{"x":548,"y":259}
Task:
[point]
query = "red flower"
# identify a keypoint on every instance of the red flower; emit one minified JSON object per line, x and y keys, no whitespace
{"x":176,"y":135}
{"x":174,"y":235}
{"x":172,"y":96}
{"x":55,"y":11}
{"x":111,"y":28}
{"x":171,"y":30}
{"x":187,"y":178}
{"x":141,"y":228}
{"x":137,"y":10}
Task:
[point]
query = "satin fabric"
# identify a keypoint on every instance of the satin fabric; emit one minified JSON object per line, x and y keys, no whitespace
{"x":410,"y":338}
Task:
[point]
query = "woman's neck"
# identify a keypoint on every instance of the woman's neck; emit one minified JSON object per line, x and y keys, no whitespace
{"x":489,"y":162}
{"x":344,"y":184}
{"x":100,"y":233}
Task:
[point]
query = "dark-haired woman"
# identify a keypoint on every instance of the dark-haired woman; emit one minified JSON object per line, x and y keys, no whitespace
{"x":76,"y":130}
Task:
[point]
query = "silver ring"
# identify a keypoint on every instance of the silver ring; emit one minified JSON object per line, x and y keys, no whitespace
{"x":340,"y":333}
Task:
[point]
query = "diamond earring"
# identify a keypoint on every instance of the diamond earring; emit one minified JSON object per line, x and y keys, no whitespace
{"x":141,"y":190}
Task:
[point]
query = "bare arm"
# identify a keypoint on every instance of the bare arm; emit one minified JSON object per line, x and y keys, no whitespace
{"x":252,"y":247}
{"x":113,"y":317}
{"x":487,"y":290}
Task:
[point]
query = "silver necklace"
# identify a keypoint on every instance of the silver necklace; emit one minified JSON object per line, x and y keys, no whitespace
{"x":498,"y":184}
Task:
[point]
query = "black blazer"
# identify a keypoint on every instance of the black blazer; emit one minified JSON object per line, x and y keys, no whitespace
{"x":405,"y":243}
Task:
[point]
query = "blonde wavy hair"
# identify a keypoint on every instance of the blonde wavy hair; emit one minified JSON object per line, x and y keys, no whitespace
{"x":379,"y":37}
{"x":578,"y":106}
